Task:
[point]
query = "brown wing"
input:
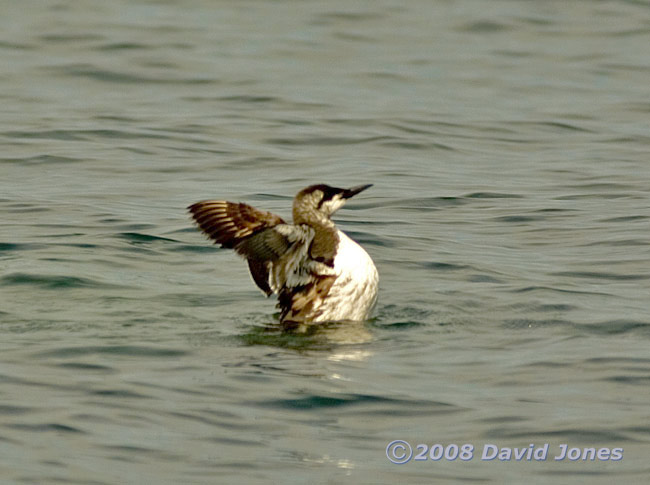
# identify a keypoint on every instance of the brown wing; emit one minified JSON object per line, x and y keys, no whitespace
{"x":247,"y":230}
{"x":228,"y":223}
{"x":260,"y":273}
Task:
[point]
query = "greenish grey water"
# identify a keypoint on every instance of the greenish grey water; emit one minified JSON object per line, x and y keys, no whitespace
{"x":508,"y":143}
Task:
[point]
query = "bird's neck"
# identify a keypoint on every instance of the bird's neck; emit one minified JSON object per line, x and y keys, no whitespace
{"x":313,"y":218}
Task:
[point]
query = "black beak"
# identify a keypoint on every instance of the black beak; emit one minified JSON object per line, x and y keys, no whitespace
{"x":351,"y":192}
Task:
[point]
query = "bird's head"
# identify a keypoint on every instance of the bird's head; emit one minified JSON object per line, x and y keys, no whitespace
{"x":317,"y":203}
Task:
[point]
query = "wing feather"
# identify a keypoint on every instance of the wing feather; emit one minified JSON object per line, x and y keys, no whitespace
{"x":279,"y":255}
{"x":247,"y":230}
{"x":228,"y":223}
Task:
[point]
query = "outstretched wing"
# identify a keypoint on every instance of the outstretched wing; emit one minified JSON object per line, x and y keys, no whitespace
{"x":228,"y":223}
{"x":278,"y":254}
{"x":247,"y":230}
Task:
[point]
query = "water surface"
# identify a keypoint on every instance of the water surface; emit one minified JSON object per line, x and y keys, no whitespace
{"x":508,"y":148}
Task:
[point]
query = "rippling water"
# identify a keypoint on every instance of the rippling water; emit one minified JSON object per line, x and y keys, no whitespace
{"x":508,"y":143}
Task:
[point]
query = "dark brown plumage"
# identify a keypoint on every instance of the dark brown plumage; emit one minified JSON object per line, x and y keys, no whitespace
{"x":228,"y":223}
{"x":296,"y":304}
{"x":246,"y":230}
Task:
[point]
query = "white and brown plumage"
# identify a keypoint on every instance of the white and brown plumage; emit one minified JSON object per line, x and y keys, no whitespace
{"x":317,"y":271}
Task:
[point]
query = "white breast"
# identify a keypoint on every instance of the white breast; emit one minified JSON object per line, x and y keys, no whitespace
{"x":354,"y":293}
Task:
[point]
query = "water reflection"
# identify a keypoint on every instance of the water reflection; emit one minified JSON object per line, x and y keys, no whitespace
{"x":323,"y":336}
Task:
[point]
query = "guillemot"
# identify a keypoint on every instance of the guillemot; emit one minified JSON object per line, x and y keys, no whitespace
{"x":318,"y":273}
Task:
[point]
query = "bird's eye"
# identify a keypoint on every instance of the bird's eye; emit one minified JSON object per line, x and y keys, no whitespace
{"x":323,"y":198}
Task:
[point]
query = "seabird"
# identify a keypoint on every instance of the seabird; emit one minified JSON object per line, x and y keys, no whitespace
{"x":318,"y":273}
